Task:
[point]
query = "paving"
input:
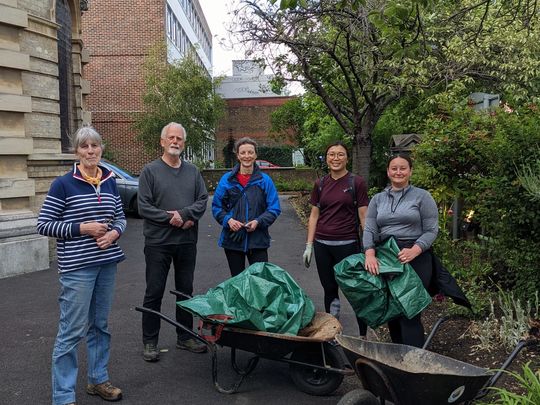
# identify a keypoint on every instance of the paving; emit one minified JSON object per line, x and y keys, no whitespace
{"x":29,"y":321}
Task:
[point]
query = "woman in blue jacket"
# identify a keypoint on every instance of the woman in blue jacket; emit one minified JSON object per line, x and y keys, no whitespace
{"x":245,"y":204}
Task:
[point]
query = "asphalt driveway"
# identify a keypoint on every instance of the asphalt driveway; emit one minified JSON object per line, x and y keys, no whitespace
{"x":29,"y":319}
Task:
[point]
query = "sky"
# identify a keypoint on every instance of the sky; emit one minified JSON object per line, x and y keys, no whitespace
{"x":215,"y":12}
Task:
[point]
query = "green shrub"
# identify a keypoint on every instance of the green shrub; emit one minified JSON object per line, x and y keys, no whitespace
{"x":473,"y":156}
{"x":278,"y":155}
{"x":293,"y":185}
{"x":469,"y":262}
{"x":529,"y":381}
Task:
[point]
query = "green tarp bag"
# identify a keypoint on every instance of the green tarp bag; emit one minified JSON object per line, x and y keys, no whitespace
{"x":396,"y":291}
{"x":263,"y":297}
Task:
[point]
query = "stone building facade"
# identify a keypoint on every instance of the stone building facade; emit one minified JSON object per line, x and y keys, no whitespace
{"x":119,"y":35}
{"x":41,"y":103}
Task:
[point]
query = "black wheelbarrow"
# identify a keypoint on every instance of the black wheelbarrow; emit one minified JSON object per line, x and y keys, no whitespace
{"x":407,"y":375}
{"x":316,"y":364}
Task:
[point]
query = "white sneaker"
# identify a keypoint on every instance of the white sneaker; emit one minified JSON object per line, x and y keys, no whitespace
{"x":335,"y":308}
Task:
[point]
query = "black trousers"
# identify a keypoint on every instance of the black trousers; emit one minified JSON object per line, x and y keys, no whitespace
{"x":158,"y":262}
{"x":237,"y":259}
{"x":326,"y":257}
{"x":411,"y":331}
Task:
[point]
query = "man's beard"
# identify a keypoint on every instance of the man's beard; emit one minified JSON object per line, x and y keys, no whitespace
{"x":174,"y":151}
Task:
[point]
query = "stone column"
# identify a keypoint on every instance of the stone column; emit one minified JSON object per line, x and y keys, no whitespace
{"x":21,"y":248}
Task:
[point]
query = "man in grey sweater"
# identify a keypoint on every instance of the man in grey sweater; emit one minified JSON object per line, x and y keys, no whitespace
{"x":172,"y":198}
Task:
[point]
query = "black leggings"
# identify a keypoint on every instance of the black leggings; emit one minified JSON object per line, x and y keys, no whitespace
{"x":237,"y":259}
{"x":326,"y":257}
{"x":411,"y":331}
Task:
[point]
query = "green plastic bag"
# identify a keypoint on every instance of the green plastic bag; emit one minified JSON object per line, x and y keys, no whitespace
{"x":396,"y":291}
{"x":263,"y":297}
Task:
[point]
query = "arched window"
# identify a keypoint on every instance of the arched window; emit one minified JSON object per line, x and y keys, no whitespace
{"x":65,"y":72}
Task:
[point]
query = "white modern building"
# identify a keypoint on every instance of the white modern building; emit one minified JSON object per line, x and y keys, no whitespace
{"x":187,"y":30}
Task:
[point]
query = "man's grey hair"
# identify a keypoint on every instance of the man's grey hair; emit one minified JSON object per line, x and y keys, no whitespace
{"x":84,"y":135}
{"x":173,"y":125}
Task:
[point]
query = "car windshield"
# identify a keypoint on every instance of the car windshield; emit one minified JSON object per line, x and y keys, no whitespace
{"x":121,"y":172}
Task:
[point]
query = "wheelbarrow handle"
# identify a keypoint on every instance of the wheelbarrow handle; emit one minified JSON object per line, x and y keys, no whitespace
{"x":180,"y":294}
{"x":174,"y":323}
{"x":491,"y":382}
{"x":436,"y":327}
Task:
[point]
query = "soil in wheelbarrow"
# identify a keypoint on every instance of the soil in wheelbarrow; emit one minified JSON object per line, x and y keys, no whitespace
{"x":455,"y":338}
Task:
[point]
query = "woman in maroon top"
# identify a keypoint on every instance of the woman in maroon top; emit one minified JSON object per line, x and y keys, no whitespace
{"x":333,"y":227}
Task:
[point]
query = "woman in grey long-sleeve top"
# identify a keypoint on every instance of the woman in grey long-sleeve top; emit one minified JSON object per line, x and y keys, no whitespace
{"x":410,"y":215}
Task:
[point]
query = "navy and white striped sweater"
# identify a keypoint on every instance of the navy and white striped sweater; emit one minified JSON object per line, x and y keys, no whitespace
{"x":71,"y":201}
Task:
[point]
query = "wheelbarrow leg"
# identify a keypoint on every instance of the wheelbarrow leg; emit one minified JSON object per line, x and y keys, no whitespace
{"x":236,"y":385}
{"x":252,"y":363}
{"x":374,"y":367}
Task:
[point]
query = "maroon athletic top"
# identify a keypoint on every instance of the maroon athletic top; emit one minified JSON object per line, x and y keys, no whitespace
{"x":337,"y":219}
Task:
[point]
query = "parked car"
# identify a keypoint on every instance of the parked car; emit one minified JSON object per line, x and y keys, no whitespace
{"x":128,"y":186}
{"x":265,"y":164}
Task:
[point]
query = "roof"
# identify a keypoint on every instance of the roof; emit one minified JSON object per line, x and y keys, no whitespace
{"x":404,"y":142}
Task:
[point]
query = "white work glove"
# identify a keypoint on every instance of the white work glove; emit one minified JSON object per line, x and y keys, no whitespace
{"x":308,"y":253}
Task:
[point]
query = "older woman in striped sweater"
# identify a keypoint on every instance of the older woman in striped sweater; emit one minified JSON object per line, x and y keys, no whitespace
{"x":84,"y":212}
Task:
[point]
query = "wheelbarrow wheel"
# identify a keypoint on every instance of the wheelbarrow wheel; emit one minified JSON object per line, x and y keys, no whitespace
{"x":315,"y":381}
{"x":359,"y":397}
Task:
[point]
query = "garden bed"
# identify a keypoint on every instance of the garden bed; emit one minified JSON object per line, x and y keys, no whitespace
{"x":458,"y":337}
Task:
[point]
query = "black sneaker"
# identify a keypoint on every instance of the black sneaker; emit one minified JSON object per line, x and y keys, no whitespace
{"x":151,"y":352}
{"x":192,"y":345}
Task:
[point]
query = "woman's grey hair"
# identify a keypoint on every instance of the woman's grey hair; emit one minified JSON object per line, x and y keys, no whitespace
{"x":244,"y":141}
{"x":173,"y":125}
{"x":85,"y":134}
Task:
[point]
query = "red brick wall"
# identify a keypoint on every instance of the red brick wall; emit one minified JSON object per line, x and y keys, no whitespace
{"x":247,"y":117}
{"x":118,"y":35}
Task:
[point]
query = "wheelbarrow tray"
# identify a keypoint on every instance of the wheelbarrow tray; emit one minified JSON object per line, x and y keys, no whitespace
{"x":316,"y":365}
{"x":323,"y":328}
{"x":412,"y":375}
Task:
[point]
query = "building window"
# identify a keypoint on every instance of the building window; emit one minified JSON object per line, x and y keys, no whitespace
{"x":65,"y":72}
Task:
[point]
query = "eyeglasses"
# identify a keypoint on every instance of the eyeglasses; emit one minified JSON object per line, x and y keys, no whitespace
{"x":175,"y":138}
{"x":339,"y":155}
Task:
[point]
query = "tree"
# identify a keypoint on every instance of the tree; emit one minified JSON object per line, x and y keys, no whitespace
{"x":306,"y":122}
{"x":360,"y":57}
{"x":182,"y":92}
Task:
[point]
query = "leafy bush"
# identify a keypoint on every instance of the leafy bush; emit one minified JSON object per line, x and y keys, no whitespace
{"x":278,"y":155}
{"x":469,"y":262}
{"x":509,"y":326}
{"x":529,"y":177}
{"x":472,"y":156}
{"x":293,"y":185}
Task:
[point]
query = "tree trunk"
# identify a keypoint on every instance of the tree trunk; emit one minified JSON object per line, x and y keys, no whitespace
{"x":361,"y":158}
{"x":362,"y":145}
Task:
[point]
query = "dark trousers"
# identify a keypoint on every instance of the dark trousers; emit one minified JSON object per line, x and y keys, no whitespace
{"x":158,"y":262}
{"x":411,"y":331}
{"x":326,"y":257}
{"x":237,"y":259}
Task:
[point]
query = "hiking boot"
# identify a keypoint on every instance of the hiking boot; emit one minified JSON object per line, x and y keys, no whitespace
{"x":105,"y":390}
{"x":192,"y":345}
{"x":151,"y":352}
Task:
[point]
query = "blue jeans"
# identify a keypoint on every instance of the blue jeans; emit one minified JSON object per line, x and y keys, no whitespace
{"x":85,"y":301}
